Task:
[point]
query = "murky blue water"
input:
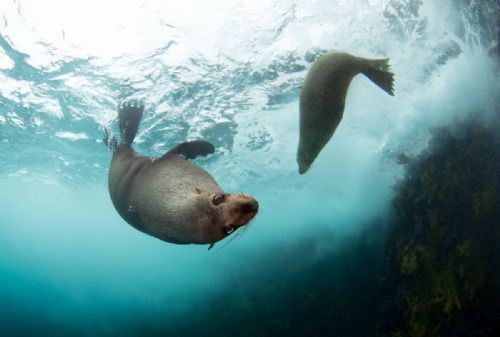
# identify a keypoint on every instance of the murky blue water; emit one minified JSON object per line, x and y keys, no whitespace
{"x":229,"y":72}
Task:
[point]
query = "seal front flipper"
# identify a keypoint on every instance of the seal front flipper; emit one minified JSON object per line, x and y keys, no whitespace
{"x":191,"y":150}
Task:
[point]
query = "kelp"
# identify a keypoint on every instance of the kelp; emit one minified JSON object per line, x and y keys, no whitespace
{"x":445,"y":237}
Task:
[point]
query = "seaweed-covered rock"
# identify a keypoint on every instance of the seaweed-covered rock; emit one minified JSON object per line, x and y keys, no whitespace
{"x":443,"y":250}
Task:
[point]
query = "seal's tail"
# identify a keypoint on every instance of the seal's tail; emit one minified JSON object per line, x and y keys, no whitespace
{"x":378,"y":72}
{"x":129,"y":118}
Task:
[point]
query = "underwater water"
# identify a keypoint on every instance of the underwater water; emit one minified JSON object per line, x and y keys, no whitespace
{"x":337,"y":251}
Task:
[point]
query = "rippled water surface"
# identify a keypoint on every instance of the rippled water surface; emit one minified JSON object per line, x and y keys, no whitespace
{"x":229,"y":72}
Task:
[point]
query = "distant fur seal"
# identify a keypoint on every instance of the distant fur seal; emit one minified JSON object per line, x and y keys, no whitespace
{"x":322,"y":98}
{"x":169,"y":197}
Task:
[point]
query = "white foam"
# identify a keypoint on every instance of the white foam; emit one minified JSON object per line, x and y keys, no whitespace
{"x":72,"y":135}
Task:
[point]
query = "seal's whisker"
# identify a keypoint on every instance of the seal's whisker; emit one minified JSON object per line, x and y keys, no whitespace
{"x":227,"y":242}
{"x":243,"y":230}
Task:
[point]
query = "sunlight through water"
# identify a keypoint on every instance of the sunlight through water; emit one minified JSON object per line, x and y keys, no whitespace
{"x":229,"y":72}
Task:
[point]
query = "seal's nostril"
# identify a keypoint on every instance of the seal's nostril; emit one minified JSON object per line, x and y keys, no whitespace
{"x":252,"y":206}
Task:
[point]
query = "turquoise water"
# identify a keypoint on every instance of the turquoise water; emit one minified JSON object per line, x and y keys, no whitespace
{"x":229,"y":72}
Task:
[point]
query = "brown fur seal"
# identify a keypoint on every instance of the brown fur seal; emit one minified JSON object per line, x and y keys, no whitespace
{"x":322,"y":98}
{"x":169,"y":197}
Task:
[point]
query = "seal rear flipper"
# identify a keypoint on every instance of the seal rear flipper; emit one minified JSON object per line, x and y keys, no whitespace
{"x":109,"y":140}
{"x":190,"y":150}
{"x":129,"y":117}
{"x":378,"y":72}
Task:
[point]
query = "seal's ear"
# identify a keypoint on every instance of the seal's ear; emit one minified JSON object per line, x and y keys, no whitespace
{"x":191,"y":150}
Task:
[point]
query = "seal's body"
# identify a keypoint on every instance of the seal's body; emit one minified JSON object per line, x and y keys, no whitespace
{"x":169,"y":197}
{"x":322,"y":98}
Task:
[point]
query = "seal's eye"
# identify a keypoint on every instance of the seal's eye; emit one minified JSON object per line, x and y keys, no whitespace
{"x":218,"y":199}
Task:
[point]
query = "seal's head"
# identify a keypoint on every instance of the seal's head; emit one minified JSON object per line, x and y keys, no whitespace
{"x":304,"y":160}
{"x":228,"y":212}
{"x":307,"y":152}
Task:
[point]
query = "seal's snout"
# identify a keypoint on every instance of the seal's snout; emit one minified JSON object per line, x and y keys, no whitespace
{"x":238,"y":210}
{"x":303,"y":160}
{"x":303,"y":167}
{"x":251,"y":206}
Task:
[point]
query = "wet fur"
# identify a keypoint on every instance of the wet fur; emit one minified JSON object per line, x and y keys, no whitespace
{"x":170,"y":197}
{"x":322,"y":98}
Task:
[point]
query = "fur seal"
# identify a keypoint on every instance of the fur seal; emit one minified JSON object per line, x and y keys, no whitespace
{"x":322,"y":98}
{"x":169,"y":197}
